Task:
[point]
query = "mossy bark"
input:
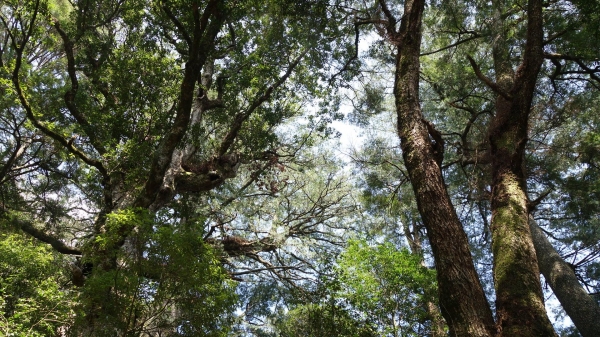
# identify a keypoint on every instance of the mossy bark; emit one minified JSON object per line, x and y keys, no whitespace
{"x":519,"y":299}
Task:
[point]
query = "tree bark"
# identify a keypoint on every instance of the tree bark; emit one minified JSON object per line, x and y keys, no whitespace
{"x":520,"y":306}
{"x":462,"y":299}
{"x":579,"y":305}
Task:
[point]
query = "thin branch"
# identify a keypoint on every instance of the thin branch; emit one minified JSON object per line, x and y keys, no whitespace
{"x":68,"y":144}
{"x":579,"y":60}
{"x":253,"y":271}
{"x":253,"y":178}
{"x":531,"y":205}
{"x":16,"y":154}
{"x":475,"y":36}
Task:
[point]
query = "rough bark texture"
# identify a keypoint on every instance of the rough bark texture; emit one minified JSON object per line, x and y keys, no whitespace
{"x":519,"y":300}
{"x":579,"y":305}
{"x":462,"y":300}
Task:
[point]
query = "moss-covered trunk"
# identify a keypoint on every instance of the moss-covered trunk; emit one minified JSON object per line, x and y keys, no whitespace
{"x":519,"y":299}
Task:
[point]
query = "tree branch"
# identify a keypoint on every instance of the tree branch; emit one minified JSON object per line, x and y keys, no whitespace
{"x":391,"y":20}
{"x":15,"y":155}
{"x":586,"y":70}
{"x":487,"y":81}
{"x":578,"y":304}
{"x":353,"y":57}
{"x":68,"y":144}
{"x":30,"y":229}
{"x":475,"y":36}
{"x":69,"y":96}
{"x":177,"y":24}
{"x":240,"y":118}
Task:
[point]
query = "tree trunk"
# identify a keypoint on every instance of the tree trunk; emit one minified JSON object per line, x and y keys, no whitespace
{"x":519,"y":300}
{"x":579,"y":305}
{"x":462,"y":299}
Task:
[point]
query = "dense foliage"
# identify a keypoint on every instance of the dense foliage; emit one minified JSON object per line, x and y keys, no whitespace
{"x":33,"y":300}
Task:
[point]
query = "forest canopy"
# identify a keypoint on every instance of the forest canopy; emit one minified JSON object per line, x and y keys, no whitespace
{"x":177,"y":168}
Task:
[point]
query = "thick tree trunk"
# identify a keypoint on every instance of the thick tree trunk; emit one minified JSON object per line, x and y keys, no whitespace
{"x":579,"y":305}
{"x":519,"y":300}
{"x":462,"y":299}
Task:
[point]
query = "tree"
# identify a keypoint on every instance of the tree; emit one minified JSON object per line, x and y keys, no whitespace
{"x":389,"y":287}
{"x":581,"y":307}
{"x":519,"y":300}
{"x":423,"y":148}
{"x":376,"y":290}
{"x":462,"y":300}
{"x":124,"y":115}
